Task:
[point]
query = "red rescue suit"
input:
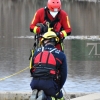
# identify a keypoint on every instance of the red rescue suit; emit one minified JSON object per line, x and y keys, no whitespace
{"x":59,"y":24}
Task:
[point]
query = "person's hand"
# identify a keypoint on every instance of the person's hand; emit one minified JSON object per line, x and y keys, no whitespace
{"x":42,"y":28}
{"x":60,"y":35}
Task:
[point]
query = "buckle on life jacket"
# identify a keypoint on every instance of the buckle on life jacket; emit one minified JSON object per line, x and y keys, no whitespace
{"x":52,"y":72}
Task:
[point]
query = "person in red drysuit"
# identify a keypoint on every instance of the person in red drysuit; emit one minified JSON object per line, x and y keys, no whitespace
{"x":56,"y":17}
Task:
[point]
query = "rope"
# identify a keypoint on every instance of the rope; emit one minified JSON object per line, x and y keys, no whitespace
{"x":66,"y":94}
{"x":1,"y":79}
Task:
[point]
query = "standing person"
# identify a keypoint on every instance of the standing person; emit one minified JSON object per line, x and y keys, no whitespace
{"x":49,"y":68}
{"x":56,"y":17}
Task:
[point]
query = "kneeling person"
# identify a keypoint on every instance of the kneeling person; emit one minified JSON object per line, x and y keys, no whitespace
{"x":49,"y":69}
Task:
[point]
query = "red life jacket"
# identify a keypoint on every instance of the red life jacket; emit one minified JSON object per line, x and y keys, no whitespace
{"x":45,"y":64}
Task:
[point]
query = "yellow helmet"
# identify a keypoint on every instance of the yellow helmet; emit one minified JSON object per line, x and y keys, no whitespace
{"x":49,"y":36}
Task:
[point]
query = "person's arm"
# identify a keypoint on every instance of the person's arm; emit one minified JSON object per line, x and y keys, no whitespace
{"x":65,"y":24}
{"x":63,"y":72}
{"x":35,"y":20}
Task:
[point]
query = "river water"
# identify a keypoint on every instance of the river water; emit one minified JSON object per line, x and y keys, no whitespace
{"x":82,"y":48}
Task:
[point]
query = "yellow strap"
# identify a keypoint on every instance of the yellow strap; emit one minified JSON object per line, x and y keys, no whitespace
{"x":31,"y":59}
{"x":49,"y":29}
{"x":62,"y":46}
{"x":48,"y":24}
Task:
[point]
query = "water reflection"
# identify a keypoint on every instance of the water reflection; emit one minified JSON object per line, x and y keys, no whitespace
{"x":15,"y":18}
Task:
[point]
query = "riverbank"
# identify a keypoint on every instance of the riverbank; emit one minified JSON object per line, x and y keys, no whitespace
{"x":17,"y":95}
